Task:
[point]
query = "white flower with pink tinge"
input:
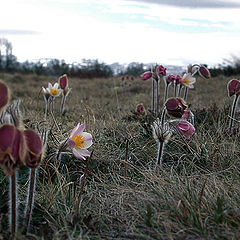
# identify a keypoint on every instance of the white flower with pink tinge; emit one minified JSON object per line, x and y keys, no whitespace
{"x":53,"y":89}
{"x":188,"y":80}
{"x":79,"y":141}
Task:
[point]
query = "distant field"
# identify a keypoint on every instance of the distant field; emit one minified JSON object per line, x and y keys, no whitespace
{"x":195,"y":196}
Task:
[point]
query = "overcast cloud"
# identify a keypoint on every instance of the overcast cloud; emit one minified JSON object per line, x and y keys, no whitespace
{"x":195,"y":3}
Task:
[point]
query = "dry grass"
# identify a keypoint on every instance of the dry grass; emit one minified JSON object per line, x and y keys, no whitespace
{"x":195,"y":196}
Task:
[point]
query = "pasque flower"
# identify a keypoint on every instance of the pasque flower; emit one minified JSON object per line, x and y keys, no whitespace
{"x":140,"y":110}
{"x":147,"y":75}
{"x":204,"y":72}
{"x":188,"y":80}
{"x":186,"y":129}
{"x":161,"y":70}
{"x":4,"y":95}
{"x":79,"y":141}
{"x":175,"y":107}
{"x":233,"y":87}
{"x":54,"y":89}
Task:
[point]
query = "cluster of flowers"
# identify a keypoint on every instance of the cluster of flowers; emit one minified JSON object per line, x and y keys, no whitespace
{"x":233,"y":88}
{"x":53,"y":91}
{"x":181,"y":119}
{"x":20,"y":146}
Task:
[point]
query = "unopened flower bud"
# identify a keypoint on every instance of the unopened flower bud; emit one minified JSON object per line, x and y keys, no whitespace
{"x":147,"y":75}
{"x":161,"y":70}
{"x":233,"y":87}
{"x":63,"y":81}
{"x":204,"y":72}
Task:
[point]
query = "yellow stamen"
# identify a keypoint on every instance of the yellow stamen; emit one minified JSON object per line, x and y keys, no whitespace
{"x":54,"y":91}
{"x":186,"y":81}
{"x":79,"y":141}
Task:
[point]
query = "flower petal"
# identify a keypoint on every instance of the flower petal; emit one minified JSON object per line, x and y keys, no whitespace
{"x":55,"y":85}
{"x":78,"y":130}
{"x":7,"y":133}
{"x":88,"y":140}
{"x":71,"y":143}
{"x":50,"y":86}
{"x":78,"y":154}
{"x":34,"y":142}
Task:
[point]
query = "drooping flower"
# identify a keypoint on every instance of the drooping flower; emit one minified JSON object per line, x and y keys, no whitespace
{"x":12,"y":148}
{"x":233,"y":87}
{"x":4,"y":95}
{"x":54,"y":90}
{"x":175,"y":107}
{"x":186,"y":129}
{"x":147,"y":75}
{"x":80,"y":141}
{"x":204,"y":72}
{"x":161,"y":70}
{"x":188,"y":80}
{"x":34,"y":151}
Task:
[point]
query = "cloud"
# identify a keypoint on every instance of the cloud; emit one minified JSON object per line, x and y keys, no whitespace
{"x":17,"y":32}
{"x":195,"y":3}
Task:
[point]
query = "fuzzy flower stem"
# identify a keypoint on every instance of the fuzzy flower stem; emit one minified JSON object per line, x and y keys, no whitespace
{"x":185,"y":93}
{"x":179,"y":90}
{"x":157,"y":96}
{"x":46,"y":109}
{"x":62,"y":104}
{"x":161,"y":145}
{"x":175,"y":89}
{"x":231,"y":122}
{"x":30,"y":199}
{"x":166,"y":91}
{"x":153,"y":95}
{"x":13,"y":202}
{"x":83,"y":179}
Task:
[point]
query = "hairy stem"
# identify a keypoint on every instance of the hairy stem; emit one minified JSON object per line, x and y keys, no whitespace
{"x":157,"y":96}
{"x":30,"y":200}
{"x":233,"y":110}
{"x":185,"y":93}
{"x":161,"y":145}
{"x":83,"y":179}
{"x":62,"y":104}
{"x":13,"y":203}
{"x":175,"y":89}
{"x":153,"y":96}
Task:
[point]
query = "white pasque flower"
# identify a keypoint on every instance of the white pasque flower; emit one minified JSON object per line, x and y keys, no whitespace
{"x":79,"y":141}
{"x":188,"y":80}
{"x":54,"y":90}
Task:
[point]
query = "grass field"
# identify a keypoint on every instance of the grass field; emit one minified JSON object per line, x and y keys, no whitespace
{"x":196,"y":195}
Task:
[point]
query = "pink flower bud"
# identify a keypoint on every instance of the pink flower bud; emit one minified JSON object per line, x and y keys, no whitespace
{"x":233,"y":87}
{"x":186,"y":129}
{"x":161,"y":70}
{"x":175,"y":107}
{"x":140,"y":109}
{"x":204,"y":72}
{"x":34,"y":148}
{"x":171,"y":78}
{"x":147,"y":75}
{"x":4,"y":95}
{"x":63,"y":81}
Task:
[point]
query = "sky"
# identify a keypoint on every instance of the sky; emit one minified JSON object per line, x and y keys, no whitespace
{"x":172,"y":32}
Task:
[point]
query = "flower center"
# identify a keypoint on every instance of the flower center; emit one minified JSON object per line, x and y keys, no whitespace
{"x":186,"y":81}
{"x":54,"y":91}
{"x":79,"y":141}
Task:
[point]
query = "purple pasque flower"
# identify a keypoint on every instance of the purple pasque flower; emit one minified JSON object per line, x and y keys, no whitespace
{"x":4,"y":95}
{"x":233,"y":87}
{"x":12,"y":148}
{"x":204,"y":72}
{"x":146,"y":75}
{"x":186,"y":129}
{"x":178,"y":79}
{"x":175,"y":107}
{"x":79,"y":141}
{"x":140,"y":110}
{"x":161,"y":70}
{"x":171,"y":78}
{"x":63,"y":81}
{"x":34,"y":148}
